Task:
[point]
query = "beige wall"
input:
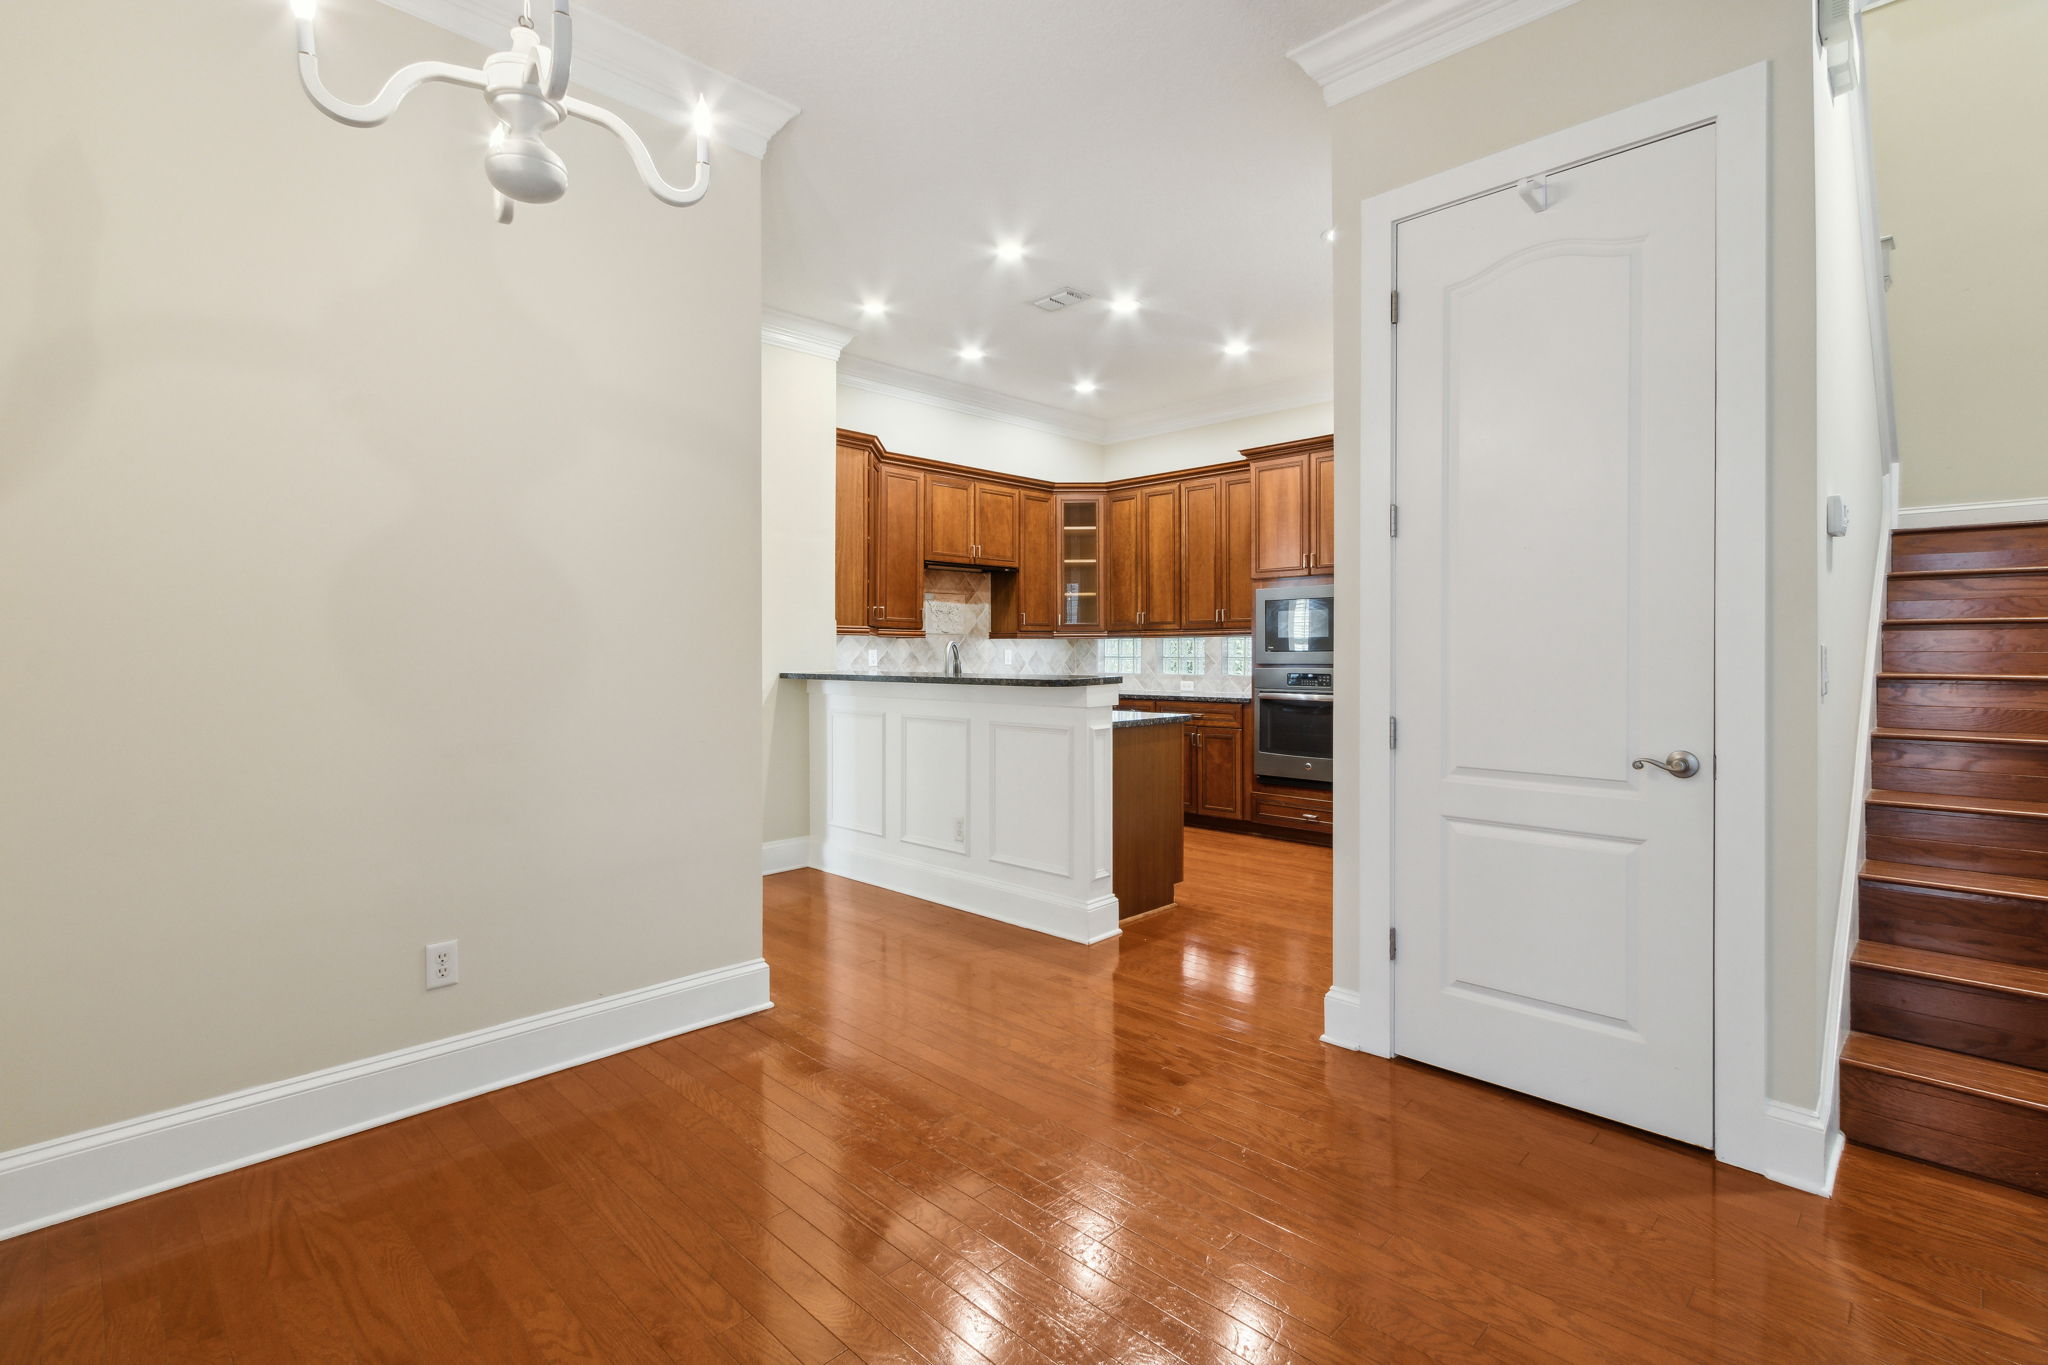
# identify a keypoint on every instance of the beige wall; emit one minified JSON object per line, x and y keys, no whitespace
{"x":372,"y":574}
{"x":1590,"y":59}
{"x":1958,"y":104}
{"x":799,"y":420}
{"x":1215,"y":443}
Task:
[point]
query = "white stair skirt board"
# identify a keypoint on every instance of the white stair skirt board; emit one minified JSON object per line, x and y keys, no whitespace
{"x":1341,"y":1024}
{"x":982,"y":896}
{"x":785,"y":855}
{"x":1973,"y":513}
{"x":72,"y":1176}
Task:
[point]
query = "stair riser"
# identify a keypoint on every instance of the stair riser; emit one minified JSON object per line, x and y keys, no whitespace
{"x":1995,"y":706}
{"x":1972,"y":547}
{"x":2003,"y":770}
{"x":1989,"y":1138}
{"x":2007,"y":845}
{"x":2000,"y":1025}
{"x":1966,"y":649}
{"x":2018,"y":594}
{"x":1993,"y":928}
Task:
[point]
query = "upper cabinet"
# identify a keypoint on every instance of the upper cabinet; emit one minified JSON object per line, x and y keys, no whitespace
{"x":970,"y":521}
{"x":1293,"y":510}
{"x":1166,"y":554}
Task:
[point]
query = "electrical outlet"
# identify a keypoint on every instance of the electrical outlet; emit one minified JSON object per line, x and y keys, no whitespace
{"x":1186,"y":686}
{"x":443,"y":967}
{"x":1009,"y":658}
{"x":874,"y":657}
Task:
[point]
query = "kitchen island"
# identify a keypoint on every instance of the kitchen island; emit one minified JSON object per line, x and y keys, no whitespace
{"x":997,"y":795}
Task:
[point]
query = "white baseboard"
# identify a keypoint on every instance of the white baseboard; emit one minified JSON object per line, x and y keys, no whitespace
{"x":1089,"y":922}
{"x":785,"y":855}
{"x":1340,"y":1017}
{"x":1973,"y":513}
{"x":72,"y":1176}
{"x":1796,"y":1147}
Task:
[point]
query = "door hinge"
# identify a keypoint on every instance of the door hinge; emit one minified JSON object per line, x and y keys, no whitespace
{"x":1394,"y":306}
{"x":1393,"y":519}
{"x":1393,"y":733}
{"x":1392,"y":944}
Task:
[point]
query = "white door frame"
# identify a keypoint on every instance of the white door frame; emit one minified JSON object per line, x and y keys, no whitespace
{"x":1748,"y":1127}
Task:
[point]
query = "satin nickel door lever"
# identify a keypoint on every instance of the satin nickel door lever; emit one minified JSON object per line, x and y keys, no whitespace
{"x":1679,"y":763}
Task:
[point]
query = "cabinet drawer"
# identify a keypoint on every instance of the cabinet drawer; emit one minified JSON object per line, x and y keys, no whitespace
{"x":1210,"y":715}
{"x":1302,"y":811}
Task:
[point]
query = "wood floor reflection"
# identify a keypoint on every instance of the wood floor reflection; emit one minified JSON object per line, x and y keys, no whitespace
{"x":952,"y":1141}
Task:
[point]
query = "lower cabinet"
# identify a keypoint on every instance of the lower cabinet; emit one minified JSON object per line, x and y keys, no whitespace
{"x":1291,"y":807}
{"x":1218,"y":779}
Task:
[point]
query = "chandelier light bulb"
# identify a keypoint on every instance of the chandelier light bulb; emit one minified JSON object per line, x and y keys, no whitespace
{"x":527,"y":88}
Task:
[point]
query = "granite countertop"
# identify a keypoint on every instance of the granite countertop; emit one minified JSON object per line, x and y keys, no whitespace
{"x":962,"y":679}
{"x":1242,"y":700}
{"x":1123,"y":720}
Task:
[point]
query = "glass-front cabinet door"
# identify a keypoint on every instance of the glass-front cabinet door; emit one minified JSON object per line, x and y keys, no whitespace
{"x":1080,"y":565}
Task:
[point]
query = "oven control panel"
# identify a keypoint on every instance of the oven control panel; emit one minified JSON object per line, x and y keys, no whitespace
{"x":1309,"y":680}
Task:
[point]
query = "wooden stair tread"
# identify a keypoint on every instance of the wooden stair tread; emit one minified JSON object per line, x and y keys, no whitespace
{"x":1963,"y":677}
{"x":1898,"y":622}
{"x":1961,"y":805}
{"x":1948,"y":967}
{"x":2000,"y":1081}
{"x":1954,"y":879}
{"x":1975,"y":571}
{"x":1957,"y":736}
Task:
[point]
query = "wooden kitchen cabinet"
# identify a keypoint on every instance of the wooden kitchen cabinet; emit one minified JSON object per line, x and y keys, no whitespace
{"x":1027,"y":602}
{"x":1215,"y":553}
{"x":969,"y":521}
{"x":1218,"y":760}
{"x":853,"y":602}
{"x":1081,"y":564}
{"x":996,"y":509}
{"x":1293,"y":508}
{"x":1122,"y":551}
{"x":1159,"y":557}
{"x":896,"y":559}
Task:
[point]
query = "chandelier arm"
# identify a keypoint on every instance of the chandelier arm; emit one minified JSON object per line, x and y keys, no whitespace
{"x":643,"y":160}
{"x":561,"y":47}
{"x":402,"y":83}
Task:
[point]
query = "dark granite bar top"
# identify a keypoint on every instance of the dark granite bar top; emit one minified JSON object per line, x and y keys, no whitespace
{"x":1244,"y":700}
{"x":1123,"y":720}
{"x":963,"y":679}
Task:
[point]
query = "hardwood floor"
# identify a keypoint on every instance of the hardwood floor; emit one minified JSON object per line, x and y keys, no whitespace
{"x":952,"y":1141}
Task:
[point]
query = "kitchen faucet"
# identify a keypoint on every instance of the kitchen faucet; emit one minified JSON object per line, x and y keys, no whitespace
{"x":952,"y":658}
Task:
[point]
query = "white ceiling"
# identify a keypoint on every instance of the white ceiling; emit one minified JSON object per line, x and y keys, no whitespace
{"x":1162,"y":147}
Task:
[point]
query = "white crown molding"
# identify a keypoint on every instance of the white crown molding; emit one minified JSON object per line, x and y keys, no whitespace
{"x":72,"y":1176}
{"x":632,"y":68}
{"x":1407,"y":35}
{"x":1222,"y":407}
{"x":893,"y":381}
{"x":795,"y":333}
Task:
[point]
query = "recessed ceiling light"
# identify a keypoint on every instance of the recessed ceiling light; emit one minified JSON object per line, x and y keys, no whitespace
{"x":1009,"y":253}
{"x":873,"y":308}
{"x":1123,"y":305}
{"x":1237,"y":346}
{"x":972,"y":354}
{"x":1329,"y":234}
{"x":1084,"y":386}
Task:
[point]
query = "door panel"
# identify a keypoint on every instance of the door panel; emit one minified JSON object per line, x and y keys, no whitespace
{"x":1122,"y":543}
{"x":1322,"y":490}
{"x":1038,"y":571}
{"x":853,"y":602}
{"x":1219,"y":782}
{"x":1236,"y":553}
{"x":1280,"y":498}
{"x":1159,"y":556}
{"x":898,"y":562}
{"x":995,"y":525}
{"x":1554,"y":595}
{"x":949,"y":518}
{"x":1201,"y":545}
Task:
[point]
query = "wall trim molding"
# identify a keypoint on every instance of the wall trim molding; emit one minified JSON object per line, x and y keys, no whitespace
{"x":893,"y":381}
{"x":1972,"y":513}
{"x":956,"y":890}
{"x":1224,"y":407}
{"x":626,"y":65}
{"x":1401,"y":36}
{"x":794,"y":332}
{"x":785,"y":855}
{"x":1341,"y":1015}
{"x":68,"y":1177}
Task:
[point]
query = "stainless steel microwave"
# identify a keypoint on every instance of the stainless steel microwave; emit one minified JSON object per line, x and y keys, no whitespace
{"x":1291,"y":626}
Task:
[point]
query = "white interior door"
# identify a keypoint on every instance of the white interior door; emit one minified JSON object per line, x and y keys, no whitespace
{"x":1553,"y":622}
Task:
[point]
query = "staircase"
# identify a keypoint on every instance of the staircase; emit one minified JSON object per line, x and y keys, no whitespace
{"x":1948,"y":987}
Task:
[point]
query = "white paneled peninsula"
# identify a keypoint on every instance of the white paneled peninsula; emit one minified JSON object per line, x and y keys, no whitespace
{"x":995,"y":795}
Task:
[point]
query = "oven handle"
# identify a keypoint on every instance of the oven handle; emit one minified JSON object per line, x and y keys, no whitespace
{"x":1324,"y":697}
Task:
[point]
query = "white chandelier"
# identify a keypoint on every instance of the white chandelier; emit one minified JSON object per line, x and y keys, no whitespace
{"x":527,"y":88}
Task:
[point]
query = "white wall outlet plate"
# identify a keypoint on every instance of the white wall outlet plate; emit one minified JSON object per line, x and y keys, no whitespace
{"x":1187,"y":686}
{"x":444,"y":968}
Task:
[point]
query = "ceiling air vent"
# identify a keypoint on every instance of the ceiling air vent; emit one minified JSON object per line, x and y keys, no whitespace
{"x":1060,"y":298}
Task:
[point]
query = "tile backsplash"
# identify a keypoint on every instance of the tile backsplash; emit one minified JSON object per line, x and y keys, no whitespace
{"x":957,"y":607}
